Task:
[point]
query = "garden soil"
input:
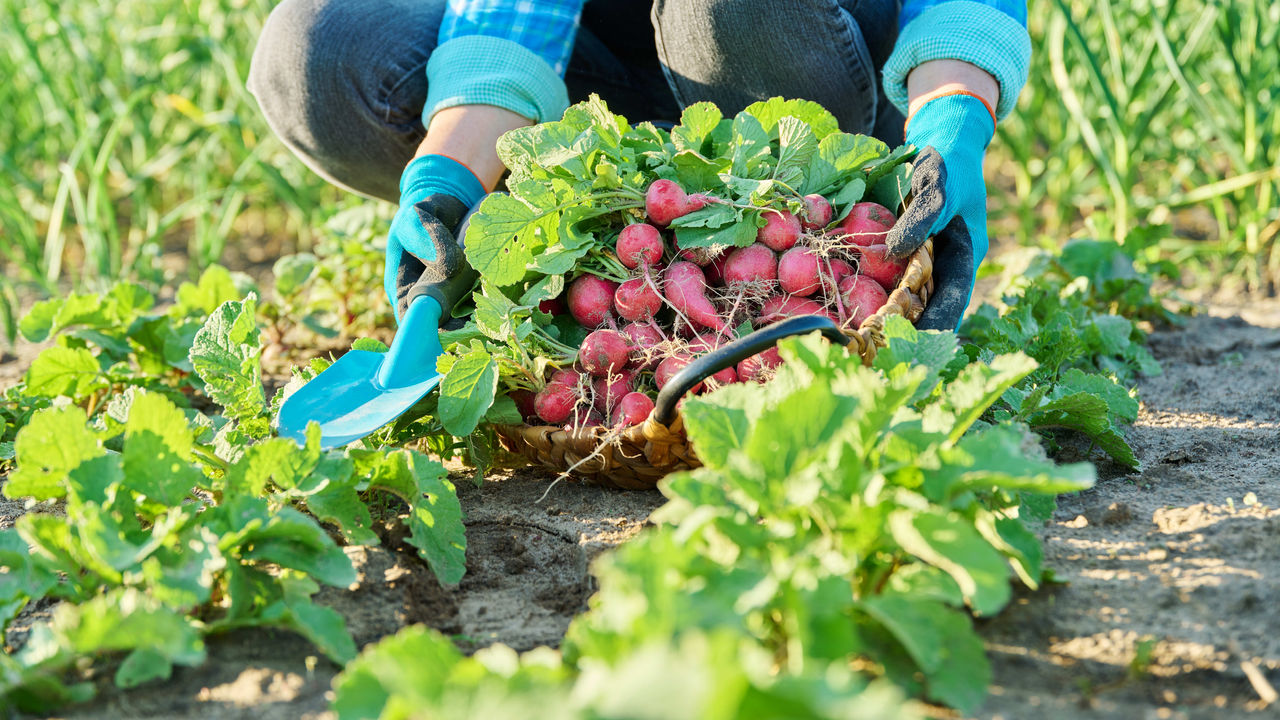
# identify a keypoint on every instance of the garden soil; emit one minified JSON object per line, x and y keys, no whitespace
{"x":1168,"y":578}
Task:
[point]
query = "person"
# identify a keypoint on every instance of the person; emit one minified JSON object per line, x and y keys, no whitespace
{"x":404,"y":99}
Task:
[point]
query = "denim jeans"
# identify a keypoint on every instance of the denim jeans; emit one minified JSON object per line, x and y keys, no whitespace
{"x":343,"y":82}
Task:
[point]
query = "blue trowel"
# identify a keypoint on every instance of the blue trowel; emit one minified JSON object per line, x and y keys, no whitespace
{"x":365,"y":390}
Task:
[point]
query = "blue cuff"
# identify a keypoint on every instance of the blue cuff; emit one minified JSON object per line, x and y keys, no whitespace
{"x":432,"y":174}
{"x":962,"y":30}
{"x":484,"y":70}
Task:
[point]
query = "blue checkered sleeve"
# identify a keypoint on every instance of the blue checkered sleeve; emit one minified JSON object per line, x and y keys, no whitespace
{"x":991,"y":34}
{"x":545,"y":27}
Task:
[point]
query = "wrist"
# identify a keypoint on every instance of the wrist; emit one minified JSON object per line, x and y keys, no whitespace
{"x":433,"y":173}
{"x":952,"y":121}
{"x":469,"y":134}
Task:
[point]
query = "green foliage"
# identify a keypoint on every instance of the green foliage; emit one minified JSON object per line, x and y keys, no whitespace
{"x":1059,"y":310}
{"x":179,"y":524}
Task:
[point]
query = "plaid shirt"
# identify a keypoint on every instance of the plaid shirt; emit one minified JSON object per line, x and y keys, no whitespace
{"x":545,"y":27}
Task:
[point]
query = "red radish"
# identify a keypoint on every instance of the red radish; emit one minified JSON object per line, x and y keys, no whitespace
{"x":553,"y":306}
{"x":609,"y":390}
{"x":603,"y":352}
{"x":526,"y":403}
{"x":798,"y":271}
{"x":636,"y":299}
{"x":633,"y":409}
{"x":700,"y":256}
{"x":591,"y":300}
{"x":839,"y":269}
{"x":781,"y":307}
{"x":752,"y":263}
{"x":781,"y":230}
{"x":668,"y":368}
{"x":584,"y":417}
{"x":817,"y":212}
{"x":567,"y":376}
{"x":642,"y":336}
{"x":555,"y":402}
{"x":724,"y":377}
{"x":639,"y":244}
{"x":685,"y":289}
{"x":862,"y":297}
{"x":877,"y":265}
{"x":665,"y":201}
{"x":715,"y":269}
{"x":706,"y":342}
{"x":696,"y":201}
{"x":757,"y":367}
{"x":866,"y":224}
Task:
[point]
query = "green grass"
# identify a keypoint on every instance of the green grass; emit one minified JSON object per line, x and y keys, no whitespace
{"x":1152,"y":123}
{"x":128,"y":132}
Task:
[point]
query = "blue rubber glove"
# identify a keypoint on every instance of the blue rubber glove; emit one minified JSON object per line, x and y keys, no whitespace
{"x":435,"y":194}
{"x":949,"y":200}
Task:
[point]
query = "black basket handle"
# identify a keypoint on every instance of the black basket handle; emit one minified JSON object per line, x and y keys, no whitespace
{"x":704,"y":366}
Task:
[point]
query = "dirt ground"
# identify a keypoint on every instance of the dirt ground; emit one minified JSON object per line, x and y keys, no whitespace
{"x":1169,"y":576}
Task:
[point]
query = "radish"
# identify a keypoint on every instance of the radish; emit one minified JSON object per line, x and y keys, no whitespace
{"x":817,"y":212}
{"x":757,"y":367}
{"x":584,"y":417}
{"x":706,"y":342}
{"x":877,"y":265}
{"x":567,"y":376}
{"x":665,"y":201}
{"x":862,"y":297}
{"x":553,"y":306}
{"x":866,"y":224}
{"x":685,"y":289}
{"x":639,"y":244}
{"x":636,"y":299}
{"x":781,"y":230}
{"x":555,"y":402}
{"x":591,"y":300}
{"x":798,"y":271}
{"x":752,"y":263}
{"x":668,"y":368}
{"x":633,"y":409}
{"x":839,"y":270}
{"x":603,"y":352}
{"x":723,"y":377}
{"x":642,"y":336}
{"x":700,"y":256}
{"x":781,"y":307}
{"x":526,"y":403}
{"x":609,"y":390}
{"x":715,"y":269}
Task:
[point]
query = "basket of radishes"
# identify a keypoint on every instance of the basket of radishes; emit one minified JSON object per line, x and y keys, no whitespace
{"x":629,"y":266}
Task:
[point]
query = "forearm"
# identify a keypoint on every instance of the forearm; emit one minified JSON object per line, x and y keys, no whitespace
{"x":469,"y":134}
{"x":937,"y":77}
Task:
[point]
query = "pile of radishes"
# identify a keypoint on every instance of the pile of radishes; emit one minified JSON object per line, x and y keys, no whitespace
{"x":680,"y":303}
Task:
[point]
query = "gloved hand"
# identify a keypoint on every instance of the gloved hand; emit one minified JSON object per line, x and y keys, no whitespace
{"x":435,"y":194}
{"x":949,"y":201}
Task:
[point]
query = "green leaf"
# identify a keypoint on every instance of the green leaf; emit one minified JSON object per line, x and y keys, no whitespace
{"x":467,"y":391}
{"x":324,"y":627}
{"x":771,"y":112}
{"x":339,"y":503}
{"x":697,"y":122}
{"x":892,"y":190}
{"x":58,"y":370}
{"x":797,"y":145}
{"x":1086,"y":414}
{"x":435,"y":515}
{"x":141,"y":666}
{"x":157,"y":450}
{"x":912,"y":347}
{"x":739,"y":234}
{"x":494,"y":313}
{"x":974,"y":390}
{"x":369,"y":345}
{"x":750,"y":146}
{"x":225,"y":354}
{"x":502,"y":237}
{"x":551,"y":286}
{"x":503,"y":411}
{"x":956,"y":548}
{"x":839,"y":160}
{"x":416,"y":662}
{"x":52,"y":444}
{"x":291,"y":271}
{"x":214,"y":288}
{"x":293,"y":540}
{"x":715,"y":215}
{"x":1120,"y":401}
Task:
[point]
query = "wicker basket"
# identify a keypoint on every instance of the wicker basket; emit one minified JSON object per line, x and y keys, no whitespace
{"x":645,"y":453}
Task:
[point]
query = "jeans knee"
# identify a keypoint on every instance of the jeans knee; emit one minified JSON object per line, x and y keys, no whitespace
{"x":337,"y":92}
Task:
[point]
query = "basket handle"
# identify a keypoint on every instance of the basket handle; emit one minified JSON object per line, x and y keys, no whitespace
{"x":704,"y":366}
